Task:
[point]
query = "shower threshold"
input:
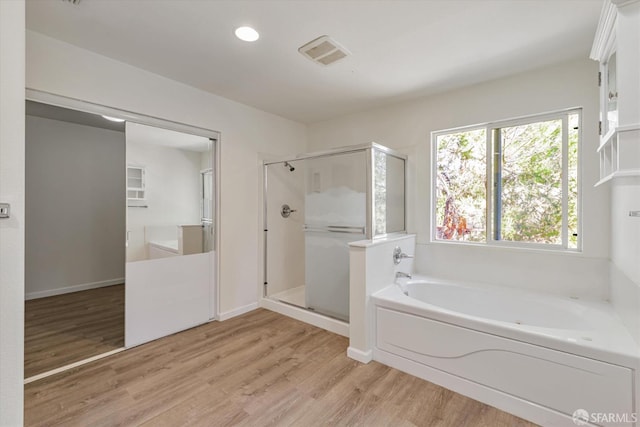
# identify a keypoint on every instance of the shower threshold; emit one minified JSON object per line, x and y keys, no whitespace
{"x":296,"y":297}
{"x":293,"y":296}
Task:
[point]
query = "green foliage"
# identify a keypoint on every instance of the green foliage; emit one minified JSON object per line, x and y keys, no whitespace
{"x":461,"y":186}
{"x":530,"y":183}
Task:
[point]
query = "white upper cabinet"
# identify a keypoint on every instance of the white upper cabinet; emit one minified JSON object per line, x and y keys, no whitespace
{"x":617,"y":48}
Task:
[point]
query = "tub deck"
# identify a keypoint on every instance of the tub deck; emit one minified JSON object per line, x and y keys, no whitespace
{"x":584,"y":327}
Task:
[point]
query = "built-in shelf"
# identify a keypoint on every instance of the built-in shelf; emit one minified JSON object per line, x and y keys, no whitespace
{"x":135,"y":184}
{"x":619,"y":153}
{"x":136,"y":194}
{"x":606,"y":140}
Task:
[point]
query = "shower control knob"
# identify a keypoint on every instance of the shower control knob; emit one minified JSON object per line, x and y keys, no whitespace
{"x":398,"y":255}
{"x":285,"y":211}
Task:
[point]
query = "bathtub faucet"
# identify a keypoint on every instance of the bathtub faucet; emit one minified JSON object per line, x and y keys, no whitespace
{"x":400,"y":274}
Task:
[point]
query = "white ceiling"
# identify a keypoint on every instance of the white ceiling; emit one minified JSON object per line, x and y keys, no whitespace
{"x":402,"y":49}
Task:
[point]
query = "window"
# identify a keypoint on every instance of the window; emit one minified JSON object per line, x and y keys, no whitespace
{"x":512,"y":182}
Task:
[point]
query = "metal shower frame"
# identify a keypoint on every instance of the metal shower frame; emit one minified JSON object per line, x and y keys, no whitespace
{"x":369,"y":149}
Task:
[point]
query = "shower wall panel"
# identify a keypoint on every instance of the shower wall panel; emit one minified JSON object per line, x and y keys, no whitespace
{"x":285,"y":241}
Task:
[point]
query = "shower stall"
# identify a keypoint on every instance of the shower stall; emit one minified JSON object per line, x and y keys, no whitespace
{"x":316,"y":204}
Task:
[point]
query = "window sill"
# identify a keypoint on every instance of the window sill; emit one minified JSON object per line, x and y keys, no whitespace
{"x":555,"y":250}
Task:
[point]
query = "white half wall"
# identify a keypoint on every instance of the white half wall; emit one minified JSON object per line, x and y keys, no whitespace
{"x":165,"y":296}
{"x":12,"y":72}
{"x":371,"y":269}
{"x":75,"y":207}
{"x":407,"y":126}
{"x":63,"y":69}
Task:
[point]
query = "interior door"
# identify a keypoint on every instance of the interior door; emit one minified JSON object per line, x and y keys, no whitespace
{"x":169,"y":239}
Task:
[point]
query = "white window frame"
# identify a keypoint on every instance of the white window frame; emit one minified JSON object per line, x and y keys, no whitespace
{"x":489,"y":127}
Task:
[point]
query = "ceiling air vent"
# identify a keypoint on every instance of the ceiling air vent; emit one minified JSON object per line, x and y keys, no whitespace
{"x":324,"y":50}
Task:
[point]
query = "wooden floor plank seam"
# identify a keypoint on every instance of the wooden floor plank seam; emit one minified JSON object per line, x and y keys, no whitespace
{"x":258,"y":369}
{"x":63,"y":329}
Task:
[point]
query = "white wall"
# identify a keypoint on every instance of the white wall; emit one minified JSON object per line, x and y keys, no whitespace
{"x":625,"y":194}
{"x":172,"y":191}
{"x":63,"y":69}
{"x":75,"y":207}
{"x":12,"y":61}
{"x":407,"y":127}
{"x":625,"y":252}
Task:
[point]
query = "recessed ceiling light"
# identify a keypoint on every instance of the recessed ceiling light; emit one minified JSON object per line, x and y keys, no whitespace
{"x":247,"y":34}
{"x":113,"y":119}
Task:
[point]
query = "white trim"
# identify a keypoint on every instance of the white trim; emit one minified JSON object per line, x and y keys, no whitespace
{"x":618,"y":174}
{"x":626,"y":173}
{"x":359,"y":355}
{"x":237,"y":311}
{"x":628,"y":128}
{"x":489,"y":177}
{"x":603,"y":180}
{"x":74,"y":288}
{"x":490,"y":127}
{"x":90,"y":107}
{"x":606,"y":139}
{"x":513,"y":121}
{"x":217,"y":231}
{"x":580,"y":182}
{"x":379,"y":241}
{"x":332,"y":325}
{"x":622,"y":3}
{"x":72,"y":365}
{"x":605,"y":35}
{"x":565,"y":182}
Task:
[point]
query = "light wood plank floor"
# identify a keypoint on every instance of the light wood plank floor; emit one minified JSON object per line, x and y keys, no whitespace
{"x":259,"y":369}
{"x":67,"y":328}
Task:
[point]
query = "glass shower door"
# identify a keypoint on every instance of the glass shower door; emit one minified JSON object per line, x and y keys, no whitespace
{"x":335,"y":214}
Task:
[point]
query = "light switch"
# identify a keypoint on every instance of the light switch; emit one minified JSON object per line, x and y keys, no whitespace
{"x":4,"y":210}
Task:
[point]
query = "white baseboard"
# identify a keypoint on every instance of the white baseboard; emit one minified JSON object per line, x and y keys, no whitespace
{"x":74,"y":288}
{"x":359,"y":355}
{"x":237,"y":311}
{"x":332,"y":325}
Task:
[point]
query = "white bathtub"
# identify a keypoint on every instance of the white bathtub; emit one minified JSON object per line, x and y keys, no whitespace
{"x":538,"y":356}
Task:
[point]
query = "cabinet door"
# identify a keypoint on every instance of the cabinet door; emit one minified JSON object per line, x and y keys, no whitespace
{"x":611,"y":94}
